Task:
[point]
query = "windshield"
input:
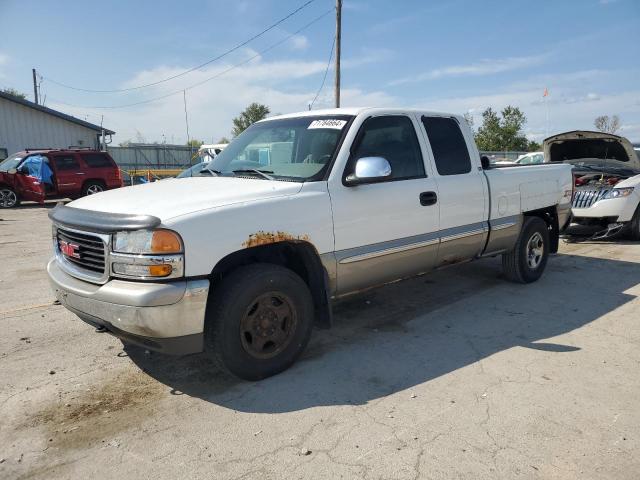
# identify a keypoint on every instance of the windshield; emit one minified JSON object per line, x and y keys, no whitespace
{"x":293,"y":149}
{"x":12,"y":162}
{"x":196,"y":170}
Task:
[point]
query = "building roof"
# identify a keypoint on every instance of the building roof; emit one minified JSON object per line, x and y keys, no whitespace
{"x":55,"y":113}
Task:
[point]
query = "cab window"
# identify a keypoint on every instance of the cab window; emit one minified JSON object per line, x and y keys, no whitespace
{"x":449,"y":148}
{"x":394,"y":138}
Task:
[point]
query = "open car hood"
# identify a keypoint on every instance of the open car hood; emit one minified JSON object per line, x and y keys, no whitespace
{"x":593,"y":149}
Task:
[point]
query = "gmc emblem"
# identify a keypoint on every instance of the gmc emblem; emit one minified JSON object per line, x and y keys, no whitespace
{"x":69,"y":249}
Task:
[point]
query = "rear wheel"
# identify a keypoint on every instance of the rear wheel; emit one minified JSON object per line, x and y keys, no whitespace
{"x":93,"y":187}
{"x":8,"y":198}
{"x":259,"y":320}
{"x":528,"y":259}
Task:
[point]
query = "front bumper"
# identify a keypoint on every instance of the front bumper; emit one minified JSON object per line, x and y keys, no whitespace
{"x":621,"y":209}
{"x":166,"y":317}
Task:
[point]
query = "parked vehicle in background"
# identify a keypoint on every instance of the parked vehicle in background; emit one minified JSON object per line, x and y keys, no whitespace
{"x":37,"y":175}
{"x":606,"y":171}
{"x":532,"y":158}
{"x":206,"y":153}
{"x":197,"y":170}
{"x":299,"y":209}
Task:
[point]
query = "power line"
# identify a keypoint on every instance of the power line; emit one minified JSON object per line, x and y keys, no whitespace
{"x":333,"y":46}
{"x":217,"y":75}
{"x":237,"y":47}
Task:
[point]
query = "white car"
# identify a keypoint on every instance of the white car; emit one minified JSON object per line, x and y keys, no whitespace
{"x":607,"y":179}
{"x":532,"y":158}
{"x":298,"y":210}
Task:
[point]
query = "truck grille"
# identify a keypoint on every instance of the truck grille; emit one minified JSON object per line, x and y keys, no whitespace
{"x":82,"y":250}
{"x":586,"y":198}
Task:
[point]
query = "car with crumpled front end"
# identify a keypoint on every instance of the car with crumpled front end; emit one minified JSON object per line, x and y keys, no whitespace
{"x":606,"y":171}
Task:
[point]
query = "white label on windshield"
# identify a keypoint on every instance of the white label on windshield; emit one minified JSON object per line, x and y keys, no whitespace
{"x":328,"y":123}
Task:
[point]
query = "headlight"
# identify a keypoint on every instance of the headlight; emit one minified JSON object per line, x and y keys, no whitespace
{"x":147,"y":255}
{"x":618,"y":192}
{"x":147,"y":242}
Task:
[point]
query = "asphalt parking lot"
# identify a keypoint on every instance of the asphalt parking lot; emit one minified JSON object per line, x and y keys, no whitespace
{"x":457,"y":374}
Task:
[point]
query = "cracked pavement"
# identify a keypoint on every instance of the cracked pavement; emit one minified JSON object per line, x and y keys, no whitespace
{"x":456,"y":374}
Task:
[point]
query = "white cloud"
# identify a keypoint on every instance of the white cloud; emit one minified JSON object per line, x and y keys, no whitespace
{"x":579,"y":115}
{"x":212,"y":106}
{"x":299,"y":42}
{"x":483,"y":67}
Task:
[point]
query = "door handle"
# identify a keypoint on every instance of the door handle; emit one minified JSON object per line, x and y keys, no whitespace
{"x":428,"y":198}
{"x":80,"y":173}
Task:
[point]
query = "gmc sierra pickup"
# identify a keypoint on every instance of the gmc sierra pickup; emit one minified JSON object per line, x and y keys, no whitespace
{"x":298,"y":210}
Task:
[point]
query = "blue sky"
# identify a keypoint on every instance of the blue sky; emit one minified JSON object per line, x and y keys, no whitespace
{"x":460,"y":56}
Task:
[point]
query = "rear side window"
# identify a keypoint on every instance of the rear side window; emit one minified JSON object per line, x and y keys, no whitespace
{"x":393,"y":138}
{"x":450,"y":151}
{"x":67,"y":162}
{"x":96,"y":160}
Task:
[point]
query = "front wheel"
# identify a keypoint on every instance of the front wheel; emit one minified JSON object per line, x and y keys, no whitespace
{"x":259,"y":320}
{"x":528,"y":259}
{"x":8,"y":198}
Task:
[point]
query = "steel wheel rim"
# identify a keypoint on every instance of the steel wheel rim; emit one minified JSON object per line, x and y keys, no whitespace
{"x":268,"y":325}
{"x":535,"y":250}
{"x":93,"y":189}
{"x":8,"y":198}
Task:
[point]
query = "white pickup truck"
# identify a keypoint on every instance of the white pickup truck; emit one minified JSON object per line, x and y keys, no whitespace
{"x":297,"y":211}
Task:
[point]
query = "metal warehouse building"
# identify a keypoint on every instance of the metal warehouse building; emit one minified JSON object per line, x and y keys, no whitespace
{"x":24,"y":125}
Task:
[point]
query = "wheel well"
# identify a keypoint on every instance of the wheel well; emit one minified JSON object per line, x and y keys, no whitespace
{"x":550,"y":216}
{"x":93,"y":180}
{"x":298,"y":256}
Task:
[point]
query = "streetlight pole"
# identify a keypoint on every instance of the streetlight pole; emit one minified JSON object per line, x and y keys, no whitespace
{"x":338,"y":38}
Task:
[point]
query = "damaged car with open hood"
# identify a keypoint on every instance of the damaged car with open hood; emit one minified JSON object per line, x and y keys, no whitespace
{"x":606,"y":172}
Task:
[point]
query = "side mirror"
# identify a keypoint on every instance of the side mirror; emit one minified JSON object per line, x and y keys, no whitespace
{"x":12,"y":171}
{"x":369,"y":170}
{"x":485,"y":162}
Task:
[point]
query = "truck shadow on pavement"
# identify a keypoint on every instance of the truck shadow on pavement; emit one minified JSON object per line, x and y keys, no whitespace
{"x":402,"y":335}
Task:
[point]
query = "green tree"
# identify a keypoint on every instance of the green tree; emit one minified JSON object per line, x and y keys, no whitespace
{"x":14,"y":92}
{"x":501,"y":132}
{"x":223,"y":140}
{"x":194,"y":143}
{"x":534,"y":146}
{"x":253,"y":113}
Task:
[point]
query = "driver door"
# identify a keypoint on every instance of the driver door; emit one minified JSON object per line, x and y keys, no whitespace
{"x":385,"y":230}
{"x":28,"y":185}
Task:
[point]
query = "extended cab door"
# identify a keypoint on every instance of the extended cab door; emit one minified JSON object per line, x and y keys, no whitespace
{"x":385,"y":230}
{"x":462,"y":190}
{"x":68,"y":174}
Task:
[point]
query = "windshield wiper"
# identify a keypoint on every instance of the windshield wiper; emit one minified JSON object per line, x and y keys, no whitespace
{"x":261,"y":173}
{"x":213,"y":172}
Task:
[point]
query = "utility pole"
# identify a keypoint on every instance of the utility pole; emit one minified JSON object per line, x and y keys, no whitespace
{"x":338,"y":36}
{"x":35,"y":85}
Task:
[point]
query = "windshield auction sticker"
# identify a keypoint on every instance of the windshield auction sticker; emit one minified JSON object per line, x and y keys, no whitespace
{"x":328,"y":123}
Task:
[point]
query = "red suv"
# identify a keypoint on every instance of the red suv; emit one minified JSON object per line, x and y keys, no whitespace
{"x":41,"y":174}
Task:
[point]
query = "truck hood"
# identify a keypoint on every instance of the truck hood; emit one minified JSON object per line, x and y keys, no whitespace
{"x":173,"y":197}
{"x":595,"y":149}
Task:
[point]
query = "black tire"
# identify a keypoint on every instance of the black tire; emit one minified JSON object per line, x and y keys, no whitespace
{"x":250,"y":295}
{"x":92,"y":187}
{"x":8,"y":197}
{"x":528,"y":259}
{"x":634,"y":226}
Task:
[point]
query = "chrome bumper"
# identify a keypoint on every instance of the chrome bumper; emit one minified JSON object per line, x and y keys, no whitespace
{"x":167,"y":317}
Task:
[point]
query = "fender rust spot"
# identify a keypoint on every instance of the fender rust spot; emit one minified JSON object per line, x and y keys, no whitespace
{"x":266,"y":238}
